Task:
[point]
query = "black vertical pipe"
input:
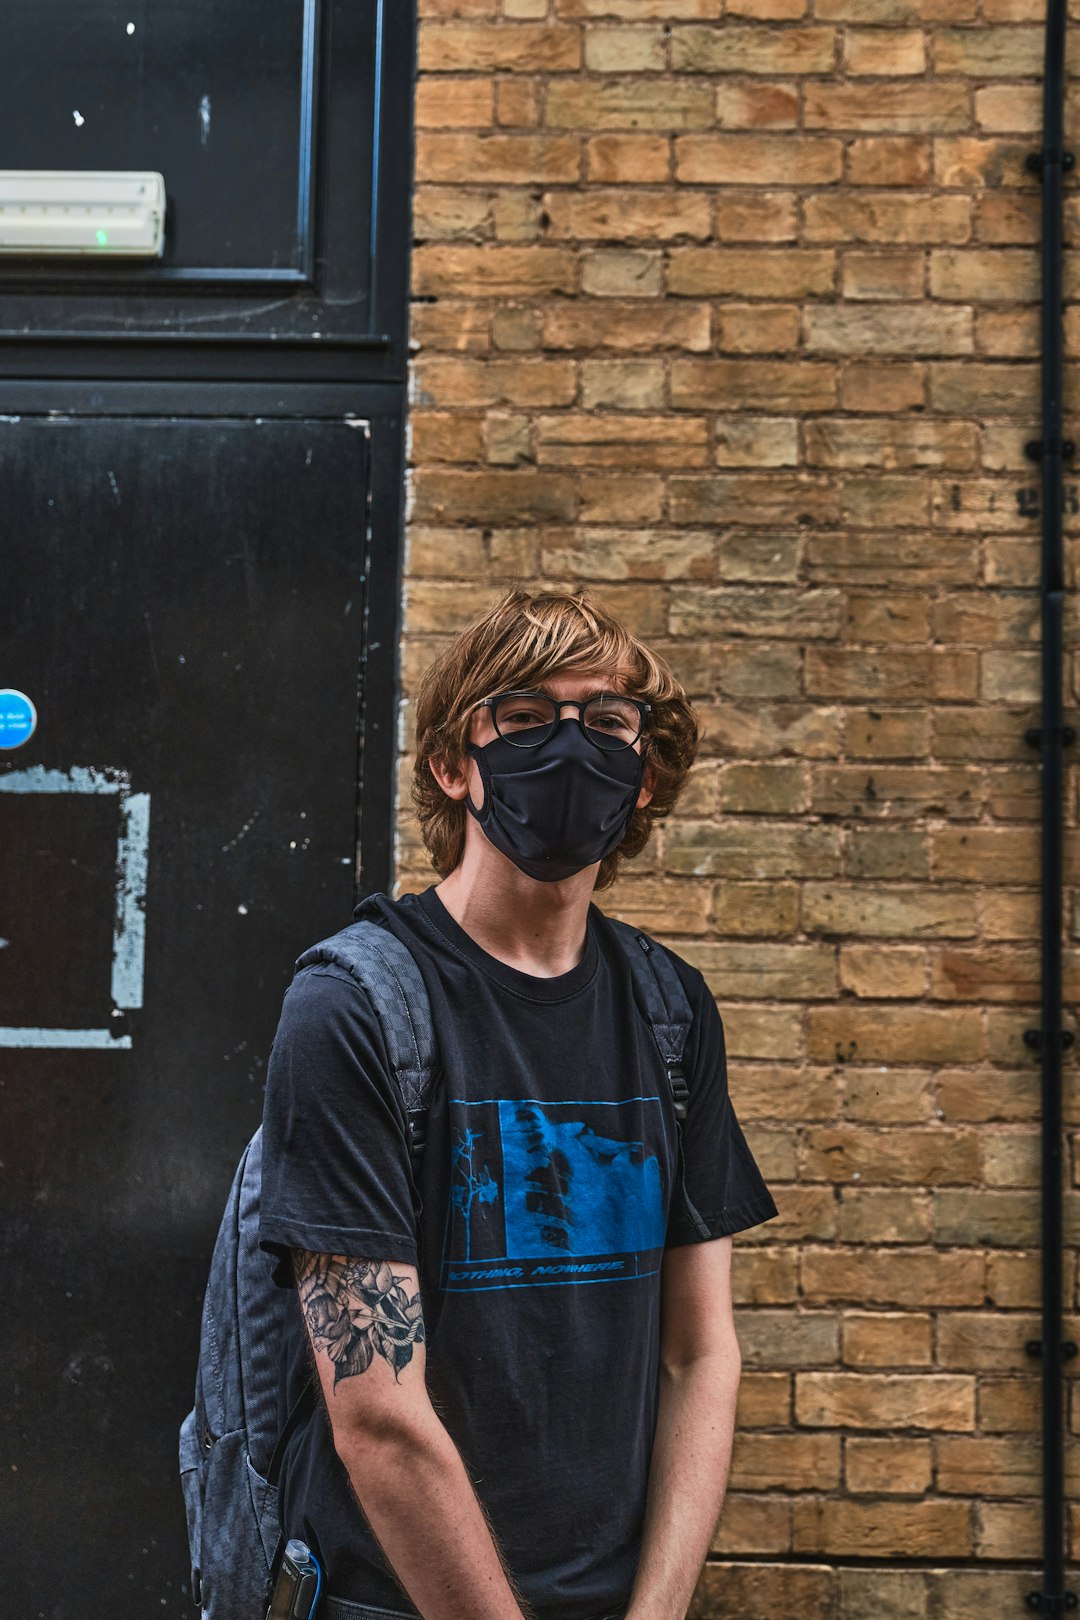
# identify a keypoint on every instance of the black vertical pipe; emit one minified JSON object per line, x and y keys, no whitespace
{"x":1050,"y":163}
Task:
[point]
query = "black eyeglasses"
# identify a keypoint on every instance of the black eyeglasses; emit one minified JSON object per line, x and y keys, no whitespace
{"x":527,"y":719}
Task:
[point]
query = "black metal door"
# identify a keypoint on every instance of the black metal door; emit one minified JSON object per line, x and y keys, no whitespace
{"x":179,"y":827}
{"x":201,"y":465}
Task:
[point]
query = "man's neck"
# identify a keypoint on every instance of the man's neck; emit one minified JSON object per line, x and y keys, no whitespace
{"x":538,"y":928}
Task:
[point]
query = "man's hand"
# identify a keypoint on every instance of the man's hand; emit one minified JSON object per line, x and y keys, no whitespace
{"x":365,"y":1324}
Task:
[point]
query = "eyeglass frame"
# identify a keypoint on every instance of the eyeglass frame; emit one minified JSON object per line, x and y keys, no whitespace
{"x":580,"y":704}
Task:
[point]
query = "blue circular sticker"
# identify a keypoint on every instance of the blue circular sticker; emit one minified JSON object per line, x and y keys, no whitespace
{"x":18,"y":718}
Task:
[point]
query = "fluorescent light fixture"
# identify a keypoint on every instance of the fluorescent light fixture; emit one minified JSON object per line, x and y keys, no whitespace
{"x":105,"y":214}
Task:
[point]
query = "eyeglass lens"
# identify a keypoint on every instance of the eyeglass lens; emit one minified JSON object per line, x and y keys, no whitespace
{"x":614,"y":721}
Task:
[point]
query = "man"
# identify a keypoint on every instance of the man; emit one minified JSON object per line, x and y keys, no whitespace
{"x":528,"y":1361}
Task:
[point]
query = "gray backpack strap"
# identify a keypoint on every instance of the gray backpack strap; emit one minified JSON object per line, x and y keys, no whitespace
{"x":663,"y":1001}
{"x":385,"y":968}
{"x":667,"y":1011}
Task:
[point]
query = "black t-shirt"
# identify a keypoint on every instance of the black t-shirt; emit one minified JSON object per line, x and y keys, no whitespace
{"x":548,"y":1193}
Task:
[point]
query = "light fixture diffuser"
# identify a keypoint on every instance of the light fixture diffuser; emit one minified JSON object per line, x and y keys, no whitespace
{"x":45,"y":213}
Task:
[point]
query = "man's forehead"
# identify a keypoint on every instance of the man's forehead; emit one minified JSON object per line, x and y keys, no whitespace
{"x":591,"y":677}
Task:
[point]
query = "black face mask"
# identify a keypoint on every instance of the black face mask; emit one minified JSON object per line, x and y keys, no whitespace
{"x":558,"y":808}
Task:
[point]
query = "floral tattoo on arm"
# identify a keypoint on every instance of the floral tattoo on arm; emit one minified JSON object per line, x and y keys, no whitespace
{"x":357,"y":1309}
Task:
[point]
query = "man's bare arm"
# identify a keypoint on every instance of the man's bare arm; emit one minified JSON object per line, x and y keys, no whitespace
{"x":365,"y":1325}
{"x":700,"y":1368}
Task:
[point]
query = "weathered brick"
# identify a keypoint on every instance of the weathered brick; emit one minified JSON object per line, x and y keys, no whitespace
{"x":871,"y":385}
{"x":454,"y":158}
{"x":897,"y":1529}
{"x":454,"y":47}
{"x":492,"y":272}
{"x":611,"y":325}
{"x":887,"y":216}
{"x":892,"y":971}
{"x":446,"y":436}
{"x":895,"y":1034}
{"x":995,"y":274}
{"x":915,"y":442}
{"x":622,"y":273}
{"x":625,"y":50}
{"x":989,"y":53}
{"x":895,"y":13}
{"x":764,"y":730}
{"x":451,"y":324}
{"x":756,"y":329}
{"x":756,"y":441}
{"x":641,"y":159}
{"x":451,"y":380}
{"x":882,"y":276}
{"x":750,"y":498}
{"x":620,"y":497}
{"x":886,"y":852}
{"x":753,"y":1524}
{"x":891,"y":1276}
{"x":971,"y":162}
{"x":756,"y":105}
{"x":785,"y":1461}
{"x":931,"y":108}
{"x":518,"y":496}
{"x":518,"y":102}
{"x":659,"y":905}
{"x":734,"y":49}
{"x":639,"y":10}
{"x":983,"y":389}
{"x":755,"y":1588}
{"x":629,"y":554}
{"x":761,"y":852}
{"x":640,"y":103}
{"x":901,"y":1467}
{"x":862,"y":1400}
{"x":590,"y":439}
{"x":889,"y":328}
{"x":868,"y":909}
{"x":887,"y":1339}
{"x":756,"y":160}
{"x":768,"y":216}
{"x":873,"y":52}
{"x":630,"y":385}
{"x":454,"y":103}
{"x":769,"y":10}
{"x":889,"y":160}
{"x":627,"y":215}
{"x":775,"y":385}
{"x":784,"y":972}
{"x":764,"y":272}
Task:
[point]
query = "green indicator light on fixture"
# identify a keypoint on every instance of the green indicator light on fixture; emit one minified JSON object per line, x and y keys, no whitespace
{"x":102,"y":238}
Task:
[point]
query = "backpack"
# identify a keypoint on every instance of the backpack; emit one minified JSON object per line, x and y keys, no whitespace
{"x":231,"y":1447}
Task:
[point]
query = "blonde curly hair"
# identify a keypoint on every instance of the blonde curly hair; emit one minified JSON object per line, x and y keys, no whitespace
{"x":526,"y":638}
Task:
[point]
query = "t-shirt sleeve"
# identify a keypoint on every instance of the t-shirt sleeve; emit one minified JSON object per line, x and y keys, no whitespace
{"x":336,"y":1174}
{"x":722,"y":1179}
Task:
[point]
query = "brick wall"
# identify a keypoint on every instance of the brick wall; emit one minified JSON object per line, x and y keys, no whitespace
{"x":730,"y":313}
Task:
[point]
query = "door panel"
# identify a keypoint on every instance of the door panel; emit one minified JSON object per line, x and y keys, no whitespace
{"x":184,"y":601}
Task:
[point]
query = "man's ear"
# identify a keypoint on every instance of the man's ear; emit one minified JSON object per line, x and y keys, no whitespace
{"x":647,"y":789}
{"x":451,"y":780}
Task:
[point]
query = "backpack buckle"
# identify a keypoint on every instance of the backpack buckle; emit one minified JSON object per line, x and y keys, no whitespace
{"x":680,"y":1091}
{"x":417,"y":1123}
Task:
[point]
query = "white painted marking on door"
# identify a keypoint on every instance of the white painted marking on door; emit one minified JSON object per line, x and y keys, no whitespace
{"x":129,"y":923}
{"x":18,"y":1036}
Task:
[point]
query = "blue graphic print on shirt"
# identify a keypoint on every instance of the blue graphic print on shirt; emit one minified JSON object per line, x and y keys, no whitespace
{"x":550,"y":1192}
